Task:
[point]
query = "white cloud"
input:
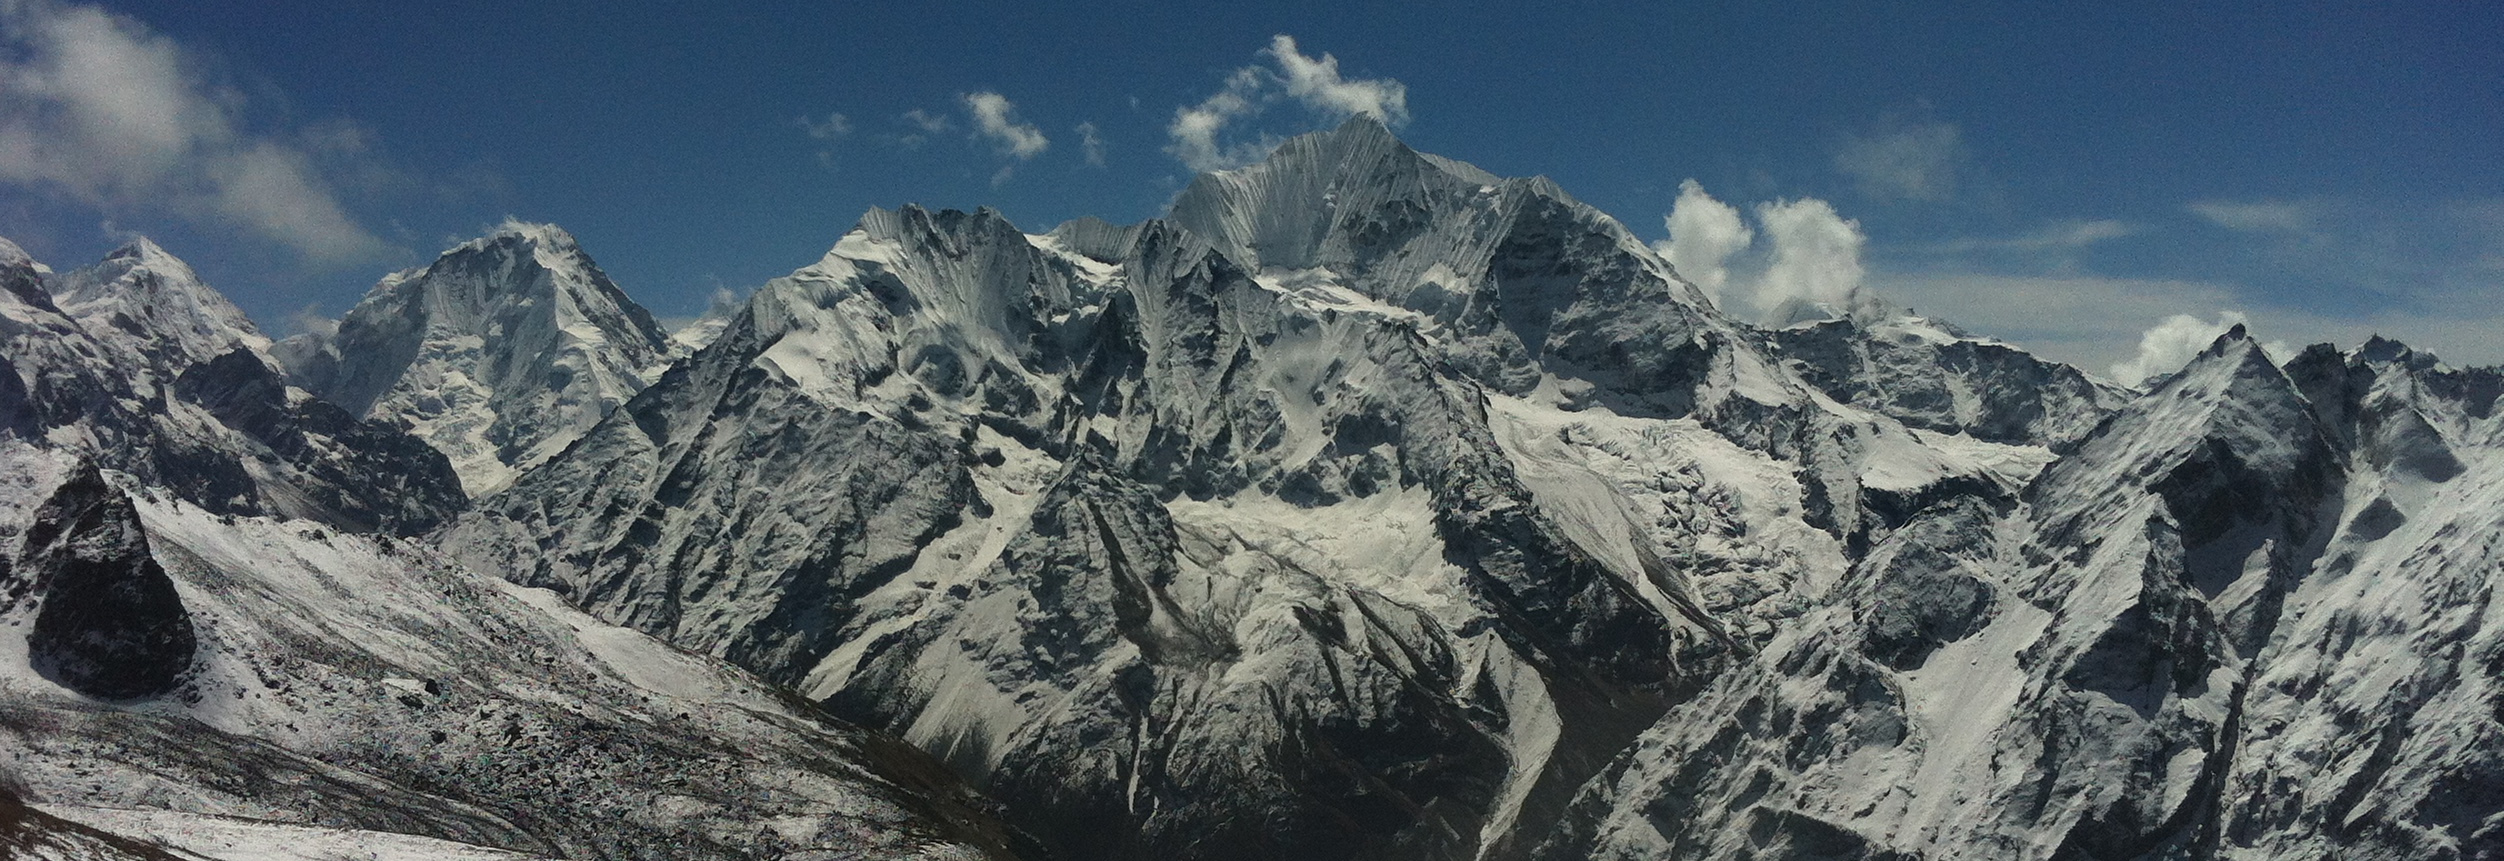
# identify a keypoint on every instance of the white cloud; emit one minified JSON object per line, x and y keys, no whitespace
{"x":1195,"y":129}
{"x":1816,"y":254}
{"x":1314,"y":82}
{"x":996,"y":118}
{"x":1703,"y":234}
{"x":114,"y":116}
{"x":1091,"y":143}
{"x":1904,"y":160}
{"x":1812,"y":255}
{"x":2167,"y":346}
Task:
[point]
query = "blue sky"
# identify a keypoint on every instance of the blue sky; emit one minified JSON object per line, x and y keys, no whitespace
{"x":2068,"y":178}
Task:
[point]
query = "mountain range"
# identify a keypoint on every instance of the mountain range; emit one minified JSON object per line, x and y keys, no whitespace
{"x":1366,"y":505}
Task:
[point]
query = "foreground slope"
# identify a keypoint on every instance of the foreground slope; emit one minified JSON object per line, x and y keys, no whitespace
{"x":349,"y":682}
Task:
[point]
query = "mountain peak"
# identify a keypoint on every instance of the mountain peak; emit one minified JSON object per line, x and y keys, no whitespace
{"x":144,"y":291}
{"x":144,"y":250}
{"x":1295,"y":209}
{"x":503,"y":348}
{"x":512,"y":230}
{"x":2227,"y":340}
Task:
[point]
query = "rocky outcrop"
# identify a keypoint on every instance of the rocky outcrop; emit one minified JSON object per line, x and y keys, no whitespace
{"x":107,"y":621}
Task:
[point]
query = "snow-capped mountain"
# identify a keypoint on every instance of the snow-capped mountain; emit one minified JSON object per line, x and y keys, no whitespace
{"x":137,"y":363}
{"x":1366,"y":505}
{"x":498,"y":354}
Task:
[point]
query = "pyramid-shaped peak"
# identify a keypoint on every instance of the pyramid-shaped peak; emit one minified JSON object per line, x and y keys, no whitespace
{"x":1284,"y":210}
{"x":2234,"y":346}
{"x":516,"y":259}
{"x":141,"y":253}
{"x":140,"y":248}
{"x":1359,"y":130}
{"x":2231,"y":339}
{"x":503,"y":348}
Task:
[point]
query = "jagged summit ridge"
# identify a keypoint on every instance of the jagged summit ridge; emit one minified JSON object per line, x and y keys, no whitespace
{"x":498,"y":353}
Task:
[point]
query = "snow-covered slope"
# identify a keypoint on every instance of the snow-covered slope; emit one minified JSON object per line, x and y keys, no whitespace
{"x":498,"y":354}
{"x":325,"y":681}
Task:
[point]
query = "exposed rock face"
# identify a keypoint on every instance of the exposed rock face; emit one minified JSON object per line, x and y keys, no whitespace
{"x":1372,"y":506}
{"x":108,"y":622}
{"x":498,"y":354}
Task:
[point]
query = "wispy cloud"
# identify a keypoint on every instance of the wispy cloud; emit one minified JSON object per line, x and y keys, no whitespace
{"x":921,"y":126}
{"x":1197,"y":131}
{"x":929,"y":122}
{"x":2101,"y":322}
{"x":2085,"y":320}
{"x":2059,"y":236}
{"x":1316,"y":82}
{"x":995,"y":119}
{"x":102,"y":110}
{"x":2275,"y":216}
{"x":2363,"y":256}
{"x":1092,"y":143}
{"x":833,"y":127}
{"x":1195,"y":128}
{"x":1903,"y":159}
